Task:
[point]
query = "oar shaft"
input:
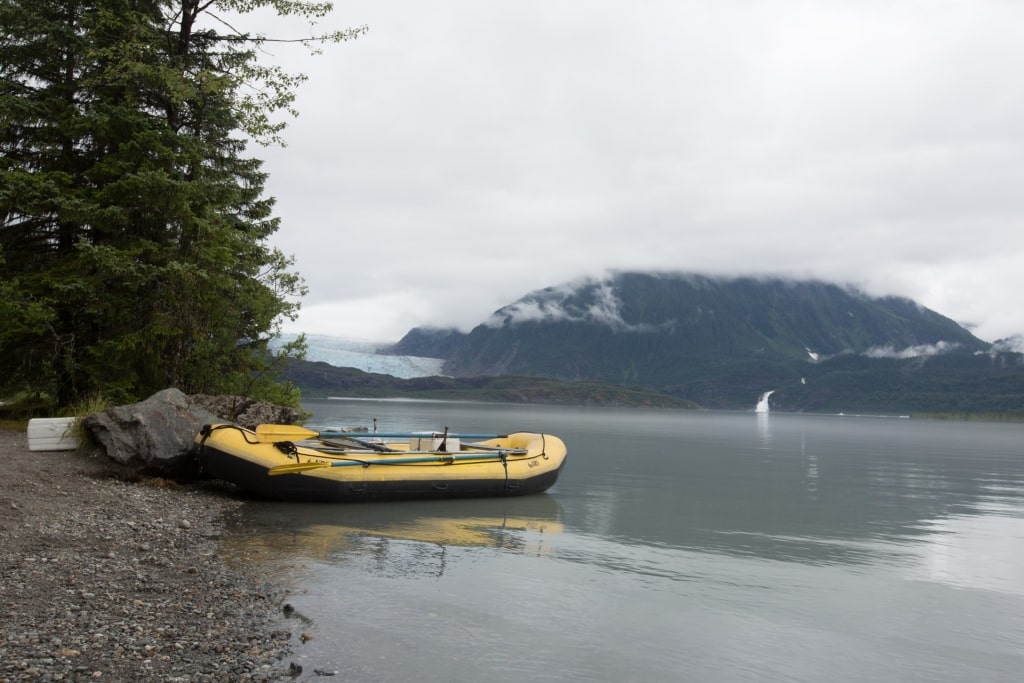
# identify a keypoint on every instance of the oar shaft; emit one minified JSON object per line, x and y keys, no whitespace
{"x":407,"y":435}
{"x":391,"y":456}
{"x":274,"y":433}
{"x":426,"y":457}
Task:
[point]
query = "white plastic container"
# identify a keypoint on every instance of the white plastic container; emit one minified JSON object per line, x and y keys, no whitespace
{"x":428,"y":442}
{"x":51,"y":434}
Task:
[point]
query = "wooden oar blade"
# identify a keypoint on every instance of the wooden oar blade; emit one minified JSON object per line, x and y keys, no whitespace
{"x":296,"y":467}
{"x":272,"y":433}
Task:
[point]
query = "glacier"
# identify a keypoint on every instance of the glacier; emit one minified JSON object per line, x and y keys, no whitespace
{"x":363,"y":355}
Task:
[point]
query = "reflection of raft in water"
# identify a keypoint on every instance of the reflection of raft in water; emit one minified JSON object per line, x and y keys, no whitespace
{"x":288,"y":532}
{"x":512,"y":534}
{"x":275,"y":462}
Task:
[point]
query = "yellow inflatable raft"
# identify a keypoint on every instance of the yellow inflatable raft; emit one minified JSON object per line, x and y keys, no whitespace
{"x":286,"y":462}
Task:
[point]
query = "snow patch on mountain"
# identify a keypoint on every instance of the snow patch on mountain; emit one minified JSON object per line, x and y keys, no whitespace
{"x":363,"y":355}
{"x":582,"y":300}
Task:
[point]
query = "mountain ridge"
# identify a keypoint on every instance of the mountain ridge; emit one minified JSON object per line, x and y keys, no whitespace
{"x":722,"y":342}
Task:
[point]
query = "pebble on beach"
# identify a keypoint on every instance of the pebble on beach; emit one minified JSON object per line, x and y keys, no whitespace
{"x":107,"y":580}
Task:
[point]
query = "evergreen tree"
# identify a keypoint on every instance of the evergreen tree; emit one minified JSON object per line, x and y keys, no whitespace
{"x":133,"y":241}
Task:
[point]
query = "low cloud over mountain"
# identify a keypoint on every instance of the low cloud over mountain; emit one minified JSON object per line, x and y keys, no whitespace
{"x":716,"y":341}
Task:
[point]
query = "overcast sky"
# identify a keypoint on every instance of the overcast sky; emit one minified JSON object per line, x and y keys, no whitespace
{"x":464,"y":153}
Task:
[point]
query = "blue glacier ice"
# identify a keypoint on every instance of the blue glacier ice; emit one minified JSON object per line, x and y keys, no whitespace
{"x":362,"y":355}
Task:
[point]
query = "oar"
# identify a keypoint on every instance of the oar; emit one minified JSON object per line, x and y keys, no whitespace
{"x":432,"y":457}
{"x":339,"y":449}
{"x":275,"y":433}
{"x":482,"y":447}
{"x":268,"y":432}
{"x":379,"y":447}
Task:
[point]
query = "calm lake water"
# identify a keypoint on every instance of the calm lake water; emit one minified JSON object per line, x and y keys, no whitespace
{"x":676,"y":546}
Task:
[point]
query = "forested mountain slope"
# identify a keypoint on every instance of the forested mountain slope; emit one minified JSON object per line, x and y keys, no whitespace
{"x":722,"y":341}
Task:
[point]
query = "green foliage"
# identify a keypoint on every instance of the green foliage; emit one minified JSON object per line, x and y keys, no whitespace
{"x":954,"y":383}
{"x":17,"y":409}
{"x":133,"y":228}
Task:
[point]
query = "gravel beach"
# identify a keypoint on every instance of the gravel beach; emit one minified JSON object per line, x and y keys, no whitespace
{"x":103,"y":579}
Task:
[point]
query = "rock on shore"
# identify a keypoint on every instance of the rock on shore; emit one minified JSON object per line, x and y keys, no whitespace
{"x":103,"y":579}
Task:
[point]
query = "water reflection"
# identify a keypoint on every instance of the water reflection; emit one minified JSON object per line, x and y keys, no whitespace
{"x":802,"y":489}
{"x":811,"y":490}
{"x":983,"y":550}
{"x":679,"y":546}
{"x":398,"y":538}
{"x":814,"y":490}
{"x":764,"y":431}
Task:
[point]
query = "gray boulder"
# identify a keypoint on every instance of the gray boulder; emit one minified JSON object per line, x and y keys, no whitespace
{"x":246,"y":412}
{"x":156,"y":435}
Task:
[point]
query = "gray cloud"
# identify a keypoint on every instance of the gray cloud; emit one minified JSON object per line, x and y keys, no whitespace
{"x":463,"y":154}
{"x":916,"y":351}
